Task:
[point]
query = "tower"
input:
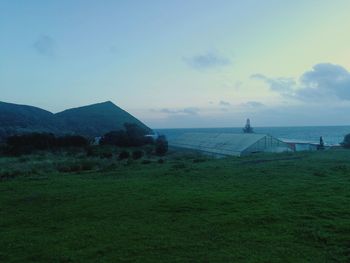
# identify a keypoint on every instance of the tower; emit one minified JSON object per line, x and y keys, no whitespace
{"x":248,"y":128}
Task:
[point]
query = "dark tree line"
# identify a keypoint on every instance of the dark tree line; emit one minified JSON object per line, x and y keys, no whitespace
{"x":132,"y":136}
{"x":27,"y":143}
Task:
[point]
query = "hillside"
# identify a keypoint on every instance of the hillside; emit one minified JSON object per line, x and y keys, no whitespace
{"x":15,"y":118}
{"x":97,"y":119}
{"x":92,"y":120}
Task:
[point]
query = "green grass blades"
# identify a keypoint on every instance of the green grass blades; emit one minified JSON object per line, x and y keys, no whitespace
{"x":264,"y":208}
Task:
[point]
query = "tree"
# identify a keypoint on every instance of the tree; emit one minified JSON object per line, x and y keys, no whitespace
{"x":124,"y":155}
{"x":27,"y":143}
{"x":132,"y":136}
{"x":118,"y":138}
{"x":248,"y":128}
{"x":137,"y":154}
{"x":72,"y":141}
{"x":346,"y":142}
{"x":161,"y":145}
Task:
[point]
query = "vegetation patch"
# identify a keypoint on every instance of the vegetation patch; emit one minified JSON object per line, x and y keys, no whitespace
{"x":62,"y":207}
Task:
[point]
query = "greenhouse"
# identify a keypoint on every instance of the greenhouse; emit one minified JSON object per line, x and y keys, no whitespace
{"x":226,"y":144}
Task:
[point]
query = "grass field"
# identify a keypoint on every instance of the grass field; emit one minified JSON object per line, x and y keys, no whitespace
{"x":265,"y":208}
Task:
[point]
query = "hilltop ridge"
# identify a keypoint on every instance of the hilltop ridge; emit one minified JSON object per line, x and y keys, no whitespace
{"x":90,"y":120}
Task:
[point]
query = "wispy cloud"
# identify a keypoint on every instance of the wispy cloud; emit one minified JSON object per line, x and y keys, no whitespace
{"x":184,"y":111}
{"x":207,"y":61}
{"x":224,"y":103}
{"x":252,"y":104}
{"x":281,"y":85}
{"x":45,"y":45}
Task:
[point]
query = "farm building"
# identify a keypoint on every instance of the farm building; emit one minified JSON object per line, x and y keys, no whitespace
{"x":225,"y":144}
{"x":300,"y":146}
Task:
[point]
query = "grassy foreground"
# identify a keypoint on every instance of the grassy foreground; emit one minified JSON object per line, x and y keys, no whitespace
{"x":267,"y":208}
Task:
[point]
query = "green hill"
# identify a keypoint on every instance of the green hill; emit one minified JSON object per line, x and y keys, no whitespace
{"x":97,"y":119}
{"x":90,"y":121}
{"x":15,"y":118}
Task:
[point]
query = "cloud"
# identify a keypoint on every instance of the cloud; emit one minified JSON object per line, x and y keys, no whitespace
{"x":185,"y":111}
{"x":282,"y":85}
{"x":324,"y":81}
{"x":253,"y":104}
{"x":45,"y":45}
{"x":207,"y":61}
{"x":224,"y":103}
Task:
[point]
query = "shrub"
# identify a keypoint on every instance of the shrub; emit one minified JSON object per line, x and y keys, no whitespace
{"x":149,"y":149}
{"x":87,"y":165}
{"x":199,"y":160}
{"x":118,"y":138}
{"x":161,"y":145}
{"x":179,"y":166}
{"x":124,"y":155}
{"x":27,"y":143}
{"x":137,"y":154}
{"x":71,"y":141}
{"x":106,"y":155}
{"x":129,"y":162}
{"x":63,"y":168}
{"x":90,"y":151}
{"x":75,"y":166}
{"x":346,"y":142}
{"x":132,"y":136}
{"x":10,"y":174}
{"x":136,"y":135}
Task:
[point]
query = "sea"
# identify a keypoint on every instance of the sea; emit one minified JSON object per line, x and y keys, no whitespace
{"x":332,"y":135}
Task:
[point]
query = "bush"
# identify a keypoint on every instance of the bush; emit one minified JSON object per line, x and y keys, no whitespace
{"x":87,"y":165}
{"x":28,"y":143}
{"x":71,"y":141}
{"x":161,"y":145}
{"x":149,"y":149}
{"x":107,"y":155}
{"x":132,"y":136}
{"x":124,"y":155}
{"x":346,"y":142}
{"x":90,"y":151}
{"x":199,"y":160}
{"x":117,"y":138}
{"x":137,"y":154}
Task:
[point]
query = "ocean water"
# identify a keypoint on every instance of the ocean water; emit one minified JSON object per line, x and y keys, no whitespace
{"x":332,"y":135}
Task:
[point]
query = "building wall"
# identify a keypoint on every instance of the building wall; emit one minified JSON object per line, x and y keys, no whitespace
{"x":268,"y":144}
{"x":230,"y":144}
{"x":299,"y":147}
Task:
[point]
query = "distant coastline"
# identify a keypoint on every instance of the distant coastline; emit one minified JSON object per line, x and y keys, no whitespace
{"x":332,"y":135}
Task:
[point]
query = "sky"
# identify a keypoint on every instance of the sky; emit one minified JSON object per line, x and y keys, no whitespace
{"x":181,"y":63}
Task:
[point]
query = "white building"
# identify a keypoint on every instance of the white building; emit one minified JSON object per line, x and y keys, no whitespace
{"x":226,"y":144}
{"x":300,"y":146}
